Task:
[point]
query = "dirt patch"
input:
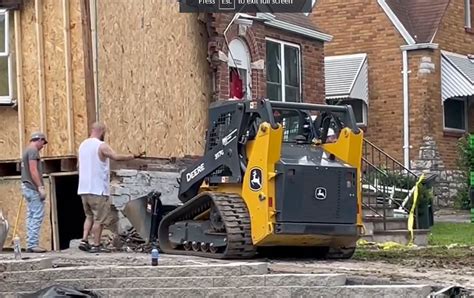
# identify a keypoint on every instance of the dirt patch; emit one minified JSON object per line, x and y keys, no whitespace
{"x":436,"y":266}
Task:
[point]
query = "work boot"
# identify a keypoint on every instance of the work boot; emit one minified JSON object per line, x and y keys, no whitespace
{"x":36,"y":249}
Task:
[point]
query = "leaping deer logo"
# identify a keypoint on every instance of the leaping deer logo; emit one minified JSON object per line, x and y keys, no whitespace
{"x":256,"y":181}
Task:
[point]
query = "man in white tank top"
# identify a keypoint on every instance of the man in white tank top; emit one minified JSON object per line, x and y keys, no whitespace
{"x":94,"y":177}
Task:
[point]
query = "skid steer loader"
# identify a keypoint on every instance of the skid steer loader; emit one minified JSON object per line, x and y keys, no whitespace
{"x":268,"y":181}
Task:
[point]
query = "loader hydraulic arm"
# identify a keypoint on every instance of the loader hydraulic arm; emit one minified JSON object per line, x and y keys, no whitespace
{"x":230,"y":123}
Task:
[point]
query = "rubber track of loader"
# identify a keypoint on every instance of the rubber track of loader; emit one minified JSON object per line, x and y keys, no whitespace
{"x":234,"y":214}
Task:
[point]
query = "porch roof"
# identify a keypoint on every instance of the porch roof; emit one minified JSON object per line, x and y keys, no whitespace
{"x":457,"y":75}
{"x":347,"y":77}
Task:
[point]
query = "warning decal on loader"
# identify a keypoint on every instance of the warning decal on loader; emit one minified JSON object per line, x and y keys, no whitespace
{"x":256,"y":179}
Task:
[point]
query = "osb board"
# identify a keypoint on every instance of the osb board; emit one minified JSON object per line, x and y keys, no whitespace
{"x":9,"y":133}
{"x":55,"y":77}
{"x":154,"y":85}
{"x":10,"y":197}
{"x":78,"y":82}
{"x":121,"y":73}
{"x":55,"y":81}
{"x":29,"y":70}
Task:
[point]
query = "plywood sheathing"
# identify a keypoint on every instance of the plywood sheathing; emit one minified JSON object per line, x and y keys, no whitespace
{"x":78,"y":83}
{"x":88,"y":65}
{"x":42,"y":88}
{"x":154,"y":84}
{"x":9,"y":133}
{"x":30,"y":68}
{"x":10,"y":196}
{"x":55,"y":77}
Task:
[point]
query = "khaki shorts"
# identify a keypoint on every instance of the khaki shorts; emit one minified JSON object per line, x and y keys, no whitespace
{"x":97,"y":207}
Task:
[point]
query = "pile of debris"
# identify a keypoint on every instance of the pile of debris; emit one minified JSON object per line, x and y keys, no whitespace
{"x":128,"y":241}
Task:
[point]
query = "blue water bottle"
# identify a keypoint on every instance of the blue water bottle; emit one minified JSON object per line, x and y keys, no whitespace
{"x":154,"y":257}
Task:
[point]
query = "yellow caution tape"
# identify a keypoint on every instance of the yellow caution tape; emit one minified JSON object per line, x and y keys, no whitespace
{"x":411,"y":216}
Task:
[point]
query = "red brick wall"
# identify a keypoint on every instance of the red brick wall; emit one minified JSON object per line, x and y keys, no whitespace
{"x":453,"y":37}
{"x":361,"y":26}
{"x":312,"y":58}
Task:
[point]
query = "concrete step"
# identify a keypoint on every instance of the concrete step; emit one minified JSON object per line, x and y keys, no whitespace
{"x":81,"y":272}
{"x":272,"y":280}
{"x":399,"y":236}
{"x":366,"y":211}
{"x":372,"y":224}
{"x":271,"y":291}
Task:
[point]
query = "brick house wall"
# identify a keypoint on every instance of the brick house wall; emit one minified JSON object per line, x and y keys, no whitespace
{"x":453,"y":37}
{"x":312,"y":58}
{"x":361,"y":26}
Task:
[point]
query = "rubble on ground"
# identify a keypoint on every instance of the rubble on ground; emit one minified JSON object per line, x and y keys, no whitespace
{"x":128,"y":241}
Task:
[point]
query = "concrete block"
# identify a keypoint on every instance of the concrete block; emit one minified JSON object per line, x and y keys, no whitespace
{"x":254,"y":268}
{"x":202,"y":292}
{"x":20,"y":286}
{"x":240,"y":281}
{"x":86,"y":272}
{"x":156,"y":282}
{"x":305,"y":280}
{"x":133,"y":293}
{"x":85,"y":283}
{"x":227,"y":270}
{"x":26,"y":265}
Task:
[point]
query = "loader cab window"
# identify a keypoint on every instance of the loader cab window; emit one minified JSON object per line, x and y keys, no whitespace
{"x":295,"y":123}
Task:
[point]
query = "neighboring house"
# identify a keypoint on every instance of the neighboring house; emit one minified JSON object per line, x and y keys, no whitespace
{"x":406,"y":67}
{"x":276,"y":56}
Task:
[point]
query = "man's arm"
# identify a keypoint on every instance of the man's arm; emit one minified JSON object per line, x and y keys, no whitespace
{"x":33,"y":164}
{"x":106,"y":151}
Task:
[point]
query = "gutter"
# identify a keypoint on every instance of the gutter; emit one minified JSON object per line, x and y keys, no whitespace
{"x":406,"y":96}
{"x":406,"y":111}
{"x":271,"y":21}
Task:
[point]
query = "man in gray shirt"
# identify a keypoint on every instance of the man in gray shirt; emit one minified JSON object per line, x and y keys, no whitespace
{"x":33,"y":189}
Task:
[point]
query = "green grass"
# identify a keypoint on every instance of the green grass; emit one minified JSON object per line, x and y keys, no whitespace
{"x":452,"y":233}
{"x":451,"y":246}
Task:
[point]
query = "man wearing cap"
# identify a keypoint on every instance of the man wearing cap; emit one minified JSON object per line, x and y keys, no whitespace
{"x":33,"y":189}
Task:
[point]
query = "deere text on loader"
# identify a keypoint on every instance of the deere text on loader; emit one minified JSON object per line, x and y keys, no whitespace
{"x":268,"y":179}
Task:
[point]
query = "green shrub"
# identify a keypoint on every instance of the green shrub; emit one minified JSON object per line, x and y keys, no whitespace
{"x":464,"y":162}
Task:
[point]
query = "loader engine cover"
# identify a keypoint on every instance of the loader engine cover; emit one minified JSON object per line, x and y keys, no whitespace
{"x":315,"y":193}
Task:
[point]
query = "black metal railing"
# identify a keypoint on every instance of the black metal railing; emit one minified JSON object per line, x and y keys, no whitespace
{"x":387,"y":185}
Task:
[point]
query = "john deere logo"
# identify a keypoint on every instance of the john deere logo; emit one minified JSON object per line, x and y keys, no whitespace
{"x":255,"y":179}
{"x":320,"y":193}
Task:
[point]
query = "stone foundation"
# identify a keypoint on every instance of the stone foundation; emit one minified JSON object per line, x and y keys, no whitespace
{"x":447,"y":182}
{"x":127,"y":185}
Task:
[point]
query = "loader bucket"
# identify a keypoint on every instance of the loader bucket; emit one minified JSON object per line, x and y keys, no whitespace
{"x":145,"y":214}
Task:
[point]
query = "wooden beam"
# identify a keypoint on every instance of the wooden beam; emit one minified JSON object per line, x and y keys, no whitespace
{"x":40,"y":50}
{"x":67,"y":55}
{"x":68,"y":165}
{"x":19,"y":80}
{"x":54,"y":213}
{"x":88,"y":65}
{"x":93,"y":5}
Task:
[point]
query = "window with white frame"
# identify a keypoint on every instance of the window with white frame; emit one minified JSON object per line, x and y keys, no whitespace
{"x":6,"y":91}
{"x":283,"y":63}
{"x":455,"y":114}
